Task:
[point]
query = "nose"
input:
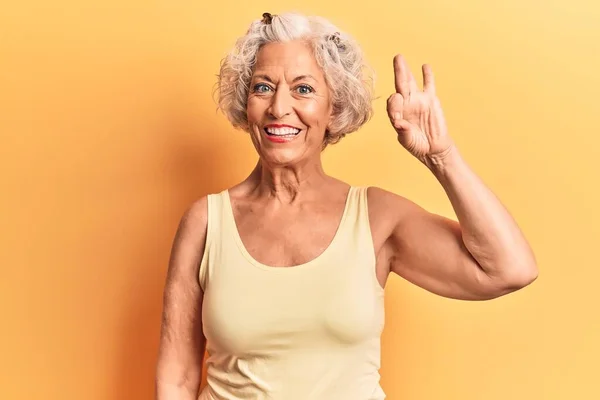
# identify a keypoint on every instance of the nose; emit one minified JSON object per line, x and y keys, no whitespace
{"x":281,"y":104}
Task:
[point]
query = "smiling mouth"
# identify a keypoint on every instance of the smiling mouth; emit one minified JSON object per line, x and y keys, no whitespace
{"x":282,"y":132}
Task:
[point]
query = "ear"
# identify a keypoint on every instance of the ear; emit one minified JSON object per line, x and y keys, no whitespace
{"x":244,"y":125}
{"x":325,"y":142}
{"x":331,"y":119}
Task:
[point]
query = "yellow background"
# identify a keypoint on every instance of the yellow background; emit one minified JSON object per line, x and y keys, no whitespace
{"x":109,"y":131}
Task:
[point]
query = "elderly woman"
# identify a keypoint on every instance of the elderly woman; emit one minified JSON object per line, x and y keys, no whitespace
{"x":282,"y":276}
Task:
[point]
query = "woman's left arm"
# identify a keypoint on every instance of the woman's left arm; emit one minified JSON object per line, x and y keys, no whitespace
{"x":485,"y":254}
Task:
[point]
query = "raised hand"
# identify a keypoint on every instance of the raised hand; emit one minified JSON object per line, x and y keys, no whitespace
{"x":417,"y":114}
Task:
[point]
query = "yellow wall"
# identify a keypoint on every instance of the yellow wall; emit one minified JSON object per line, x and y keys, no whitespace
{"x":109,"y":131}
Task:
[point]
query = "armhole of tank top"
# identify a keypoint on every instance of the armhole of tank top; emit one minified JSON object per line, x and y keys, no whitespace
{"x":203,"y":268}
{"x":365,"y":209}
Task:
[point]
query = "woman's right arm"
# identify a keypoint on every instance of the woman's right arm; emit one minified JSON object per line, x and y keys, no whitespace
{"x":182,"y":342}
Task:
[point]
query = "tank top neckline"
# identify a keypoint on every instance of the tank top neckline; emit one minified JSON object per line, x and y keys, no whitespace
{"x":298,"y":267}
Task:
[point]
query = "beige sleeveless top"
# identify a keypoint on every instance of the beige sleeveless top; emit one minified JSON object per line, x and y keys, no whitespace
{"x":307,"y":332}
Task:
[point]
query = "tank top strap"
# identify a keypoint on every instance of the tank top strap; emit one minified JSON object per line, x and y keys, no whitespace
{"x":215,"y":216}
{"x":357,"y":228}
{"x":363,"y":206}
{"x":357,"y":208}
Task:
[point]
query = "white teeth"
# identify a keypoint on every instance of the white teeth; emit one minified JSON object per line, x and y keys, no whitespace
{"x":282,"y":131}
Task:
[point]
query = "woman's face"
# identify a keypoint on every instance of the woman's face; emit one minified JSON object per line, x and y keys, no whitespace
{"x":289,"y":106}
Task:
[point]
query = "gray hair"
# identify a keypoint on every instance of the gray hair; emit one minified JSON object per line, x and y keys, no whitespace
{"x":348,"y":77}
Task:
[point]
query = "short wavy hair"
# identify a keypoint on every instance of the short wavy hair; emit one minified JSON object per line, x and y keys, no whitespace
{"x":349,"y":78}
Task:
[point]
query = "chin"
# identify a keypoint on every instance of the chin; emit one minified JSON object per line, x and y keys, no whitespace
{"x":283,"y":156}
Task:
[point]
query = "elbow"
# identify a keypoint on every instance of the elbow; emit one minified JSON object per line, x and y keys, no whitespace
{"x":508,"y":282}
{"x":518,"y":271}
{"x":521,"y":277}
{"x":527,"y":272}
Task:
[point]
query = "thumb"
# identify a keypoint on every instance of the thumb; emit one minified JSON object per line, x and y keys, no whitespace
{"x":401,"y":125}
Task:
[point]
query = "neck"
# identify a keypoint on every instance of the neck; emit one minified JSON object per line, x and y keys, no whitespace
{"x":287,"y":183}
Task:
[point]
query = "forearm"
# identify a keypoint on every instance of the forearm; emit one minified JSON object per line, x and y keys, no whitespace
{"x":489,"y":231}
{"x":171,"y":391}
{"x":174,"y":382}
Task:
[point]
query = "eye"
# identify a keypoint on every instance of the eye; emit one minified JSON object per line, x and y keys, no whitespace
{"x":304,"y":89}
{"x":261,"y":88}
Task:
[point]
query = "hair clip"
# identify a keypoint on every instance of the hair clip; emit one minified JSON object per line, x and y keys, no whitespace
{"x":267,"y":18}
{"x":335,"y":38}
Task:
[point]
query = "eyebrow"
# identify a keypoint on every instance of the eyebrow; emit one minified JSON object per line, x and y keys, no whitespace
{"x":296,"y":79}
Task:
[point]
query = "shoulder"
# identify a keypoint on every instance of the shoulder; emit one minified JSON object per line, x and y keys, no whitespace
{"x":194,"y":219}
{"x":389,"y":212}
{"x":190,"y":237}
{"x":390,"y":205}
{"x":187,"y":248}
